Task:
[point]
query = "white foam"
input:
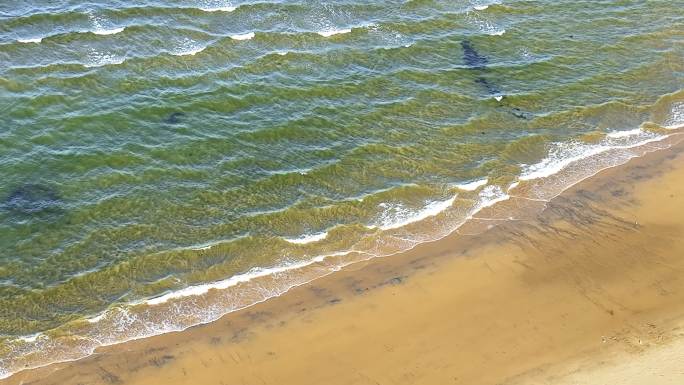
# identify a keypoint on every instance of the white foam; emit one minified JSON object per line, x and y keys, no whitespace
{"x":188,"y":48}
{"x":398,"y":215}
{"x":563,"y":154}
{"x":332,"y":32}
{"x":219,"y":9}
{"x":31,"y":40}
{"x":480,"y":7}
{"x":97,"y":318}
{"x":489,"y":196}
{"x":30,"y":338}
{"x":498,"y":98}
{"x":244,"y":36}
{"x":623,"y":134}
{"x":472,"y":186}
{"x":108,"y":31}
{"x":496,"y":32}
{"x":99,"y":59}
{"x":308,"y":238}
{"x":99,"y":29}
{"x":237,"y":279}
{"x":676,"y":118}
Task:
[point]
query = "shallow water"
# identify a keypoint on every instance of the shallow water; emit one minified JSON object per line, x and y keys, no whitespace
{"x":150,"y":147}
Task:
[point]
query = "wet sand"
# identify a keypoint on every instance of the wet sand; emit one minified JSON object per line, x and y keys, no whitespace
{"x":590,"y":291}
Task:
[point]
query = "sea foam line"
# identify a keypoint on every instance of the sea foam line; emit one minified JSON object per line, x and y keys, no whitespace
{"x":31,"y":40}
{"x":112,"y":31}
{"x":332,"y":32}
{"x":308,"y":238}
{"x":562,"y":154}
{"x":250,"y":275}
{"x":219,"y":9}
{"x":472,"y":186}
{"x":244,"y":36}
{"x":397,"y":215}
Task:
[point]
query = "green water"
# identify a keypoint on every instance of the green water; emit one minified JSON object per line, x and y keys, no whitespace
{"x":181,"y":150}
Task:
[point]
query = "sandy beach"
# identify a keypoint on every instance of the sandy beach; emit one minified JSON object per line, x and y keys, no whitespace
{"x":588,"y":291}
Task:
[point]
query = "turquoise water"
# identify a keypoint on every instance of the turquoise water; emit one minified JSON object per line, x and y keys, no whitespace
{"x":147,"y":147}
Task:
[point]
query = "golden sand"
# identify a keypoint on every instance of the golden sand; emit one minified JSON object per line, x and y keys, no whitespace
{"x":590,"y":291}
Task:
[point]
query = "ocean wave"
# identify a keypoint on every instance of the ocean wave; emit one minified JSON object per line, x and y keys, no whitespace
{"x":100,"y":26}
{"x":308,"y":238}
{"x":31,"y":40}
{"x":481,"y":6}
{"x":562,"y":154}
{"x":111,"y":31}
{"x":99,"y":59}
{"x":188,"y":47}
{"x":397,"y":215}
{"x":244,"y":36}
{"x":96,"y":31}
{"x":332,"y":32}
{"x":219,"y":9}
{"x":472,"y":186}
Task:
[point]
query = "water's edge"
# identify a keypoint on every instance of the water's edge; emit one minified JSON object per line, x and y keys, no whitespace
{"x":195,"y":305}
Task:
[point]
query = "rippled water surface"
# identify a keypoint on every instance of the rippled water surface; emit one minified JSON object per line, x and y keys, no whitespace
{"x":148,"y":148}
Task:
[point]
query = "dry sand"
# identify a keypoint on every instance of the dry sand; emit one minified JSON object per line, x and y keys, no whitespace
{"x":590,"y":291}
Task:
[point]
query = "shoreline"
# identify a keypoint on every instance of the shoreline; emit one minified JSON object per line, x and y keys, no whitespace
{"x":491,"y":204}
{"x":376,"y":279}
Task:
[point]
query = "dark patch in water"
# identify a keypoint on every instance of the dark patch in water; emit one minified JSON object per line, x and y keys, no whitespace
{"x":33,"y":199}
{"x":471,"y":57}
{"x":491,"y":89}
{"x":520,"y":114}
{"x":174,"y":118}
{"x":476,"y":61}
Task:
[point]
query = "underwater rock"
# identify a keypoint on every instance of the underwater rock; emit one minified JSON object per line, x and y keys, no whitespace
{"x":471,"y":57}
{"x":520,"y":114}
{"x":32,"y":198}
{"x":491,"y":89}
{"x":174,"y":117}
